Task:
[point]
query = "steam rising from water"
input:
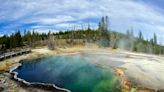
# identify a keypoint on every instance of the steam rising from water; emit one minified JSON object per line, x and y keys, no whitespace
{"x":71,"y":72}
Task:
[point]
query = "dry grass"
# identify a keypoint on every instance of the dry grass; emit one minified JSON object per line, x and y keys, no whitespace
{"x":3,"y":66}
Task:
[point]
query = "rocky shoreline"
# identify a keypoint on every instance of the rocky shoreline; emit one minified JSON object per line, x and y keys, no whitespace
{"x":43,"y":86}
{"x":9,"y":83}
{"x":8,"y":80}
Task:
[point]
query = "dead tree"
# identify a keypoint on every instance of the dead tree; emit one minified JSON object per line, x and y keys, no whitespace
{"x":51,"y":43}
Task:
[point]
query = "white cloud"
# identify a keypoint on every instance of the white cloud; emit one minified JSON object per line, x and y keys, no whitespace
{"x":51,"y":14}
{"x":57,"y":19}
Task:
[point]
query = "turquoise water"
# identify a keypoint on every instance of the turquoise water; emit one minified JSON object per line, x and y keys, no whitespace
{"x":73,"y":72}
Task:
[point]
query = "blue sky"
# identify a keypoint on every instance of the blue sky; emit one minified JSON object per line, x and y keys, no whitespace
{"x":43,"y":15}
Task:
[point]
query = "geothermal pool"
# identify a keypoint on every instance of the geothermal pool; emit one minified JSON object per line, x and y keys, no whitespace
{"x":73,"y":72}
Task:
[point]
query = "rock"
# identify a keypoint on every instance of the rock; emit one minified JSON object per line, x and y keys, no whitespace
{"x":1,"y":89}
{"x":161,"y":90}
{"x":119,"y":71}
{"x":126,"y":84}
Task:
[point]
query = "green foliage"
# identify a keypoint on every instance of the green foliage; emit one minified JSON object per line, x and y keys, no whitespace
{"x":115,"y":46}
{"x":155,"y":39}
{"x":140,"y":36}
{"x":13,"y":41}
{"x":104,"y":40}
{"x":17,"y":40}
{"x":102,"y":36}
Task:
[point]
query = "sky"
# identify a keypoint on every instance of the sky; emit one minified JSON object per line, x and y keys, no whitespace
{"x":56,"y":15}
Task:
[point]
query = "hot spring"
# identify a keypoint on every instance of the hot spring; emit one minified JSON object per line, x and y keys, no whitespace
{"x":73,"y":72}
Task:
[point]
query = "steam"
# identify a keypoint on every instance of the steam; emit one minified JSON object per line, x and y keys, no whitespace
{"x":70,"y":72}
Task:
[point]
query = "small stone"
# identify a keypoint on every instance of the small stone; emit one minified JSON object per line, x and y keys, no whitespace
{"x":1,"y":89}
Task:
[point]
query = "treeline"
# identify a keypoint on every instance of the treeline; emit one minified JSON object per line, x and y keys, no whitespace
{"x":115,"y":40}
{"x":16,"y":40}
{"x":13,"y":41}
{"x":102,"y":36}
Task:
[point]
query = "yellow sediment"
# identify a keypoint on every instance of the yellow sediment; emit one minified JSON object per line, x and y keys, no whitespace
{"x":126,"y":85}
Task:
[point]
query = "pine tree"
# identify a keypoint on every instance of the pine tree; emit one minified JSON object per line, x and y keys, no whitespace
{"x":140,"y":36}
{"x":104,"y":34}
{"x":155,"y":39}
{"x":128,"y":33}
{"x":19,"y":41}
